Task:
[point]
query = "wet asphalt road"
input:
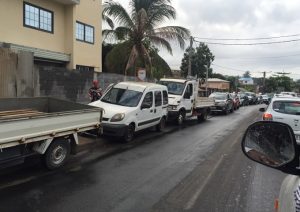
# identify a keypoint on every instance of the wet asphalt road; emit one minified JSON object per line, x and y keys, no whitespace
{"x":199,"y":167}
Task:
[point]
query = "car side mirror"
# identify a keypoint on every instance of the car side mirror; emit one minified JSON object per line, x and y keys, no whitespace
{"x":272,"y":144}
{"x":262,"y":109}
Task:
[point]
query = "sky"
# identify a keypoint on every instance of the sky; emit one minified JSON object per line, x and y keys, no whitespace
{"x":241,"y":19}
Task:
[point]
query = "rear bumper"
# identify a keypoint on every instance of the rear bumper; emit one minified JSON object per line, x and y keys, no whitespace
{"x":117,"y":130}
{"x":218,"y":108}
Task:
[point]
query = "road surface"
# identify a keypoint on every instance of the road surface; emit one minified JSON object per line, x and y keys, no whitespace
{"x":198,"y":167}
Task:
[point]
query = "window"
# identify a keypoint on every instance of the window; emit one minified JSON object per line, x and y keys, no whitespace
{"x":165,"y":99}
{"x":84,"y":32}
{"x":123,"y":97}
{"x":148,"y":100}
{"x":158,"y":98}
{"x":287,"y":107}
{"x":84,"y":68}
{"x":188,"y":91}
{"x":38,"y":18}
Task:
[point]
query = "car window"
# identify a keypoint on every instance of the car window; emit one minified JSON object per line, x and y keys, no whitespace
{"x":287,"y":107}
{"x":148,"y":99}
{"x":165,"y":97}
{"x":158,"y":98}
{"x":123,"y":97}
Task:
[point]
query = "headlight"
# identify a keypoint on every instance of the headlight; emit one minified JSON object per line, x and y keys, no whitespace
{"x":118,"y":117}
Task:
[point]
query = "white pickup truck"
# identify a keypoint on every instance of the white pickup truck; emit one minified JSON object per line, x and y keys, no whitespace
{"x":184,"y":101}
{"x":45,"y":126}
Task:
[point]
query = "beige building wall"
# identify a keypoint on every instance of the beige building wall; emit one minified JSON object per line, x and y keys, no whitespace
{"x":85,"y":53}
{"x":63,"y":38}
{"x":13,"y":31}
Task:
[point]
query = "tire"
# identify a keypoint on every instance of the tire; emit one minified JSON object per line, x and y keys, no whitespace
{"x":57,"y":154}
{"x":129,"y":134}
{"x":202,"y":117}
{"x":225,"y":112}
{"x":180,"y":118}
{"x":232,"y":109}
{"x":161,"y":125}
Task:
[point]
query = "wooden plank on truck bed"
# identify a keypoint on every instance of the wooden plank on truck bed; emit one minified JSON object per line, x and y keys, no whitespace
{"x":9,"y":112}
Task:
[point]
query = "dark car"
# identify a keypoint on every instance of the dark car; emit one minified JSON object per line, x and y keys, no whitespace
{"x":252,"y":98}
{"x":223,"y":103}
{"x":244,"y":99}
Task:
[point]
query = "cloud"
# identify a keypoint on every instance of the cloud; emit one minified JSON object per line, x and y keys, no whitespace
{"x":241,"y":19}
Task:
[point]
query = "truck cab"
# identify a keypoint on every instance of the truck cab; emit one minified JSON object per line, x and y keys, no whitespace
{"x":184,"y":101}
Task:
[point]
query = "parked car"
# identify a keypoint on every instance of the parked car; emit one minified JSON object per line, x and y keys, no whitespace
{"x":265,"y":99}
{"x":273,"y":144}
{"x":133,"y":106}
{"x":223,"y":103}
{"x":236,"y":101}
{"x":285,"y":110}
{"x":244,"y":99}
{"x":252,"y":98}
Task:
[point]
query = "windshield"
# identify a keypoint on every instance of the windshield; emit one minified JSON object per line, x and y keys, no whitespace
{"x":218,"y":96}
{"x":175,"y":88}
{"x":123,"y":97}
{"x":287,"y":107}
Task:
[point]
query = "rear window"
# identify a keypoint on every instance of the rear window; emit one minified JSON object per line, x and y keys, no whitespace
{"x":287,"y":107}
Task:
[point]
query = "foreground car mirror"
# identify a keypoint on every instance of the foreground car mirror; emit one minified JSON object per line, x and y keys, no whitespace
{"x":272,"y":144}
{"x":262,"y":109}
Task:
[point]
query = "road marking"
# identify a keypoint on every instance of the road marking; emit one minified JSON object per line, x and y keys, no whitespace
{"x":194,"y":198}
{"x":17,"y":182}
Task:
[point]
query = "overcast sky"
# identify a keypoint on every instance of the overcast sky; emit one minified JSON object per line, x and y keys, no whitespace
{"x":242,"y":19}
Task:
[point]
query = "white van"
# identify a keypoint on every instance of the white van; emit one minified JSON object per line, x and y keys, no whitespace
{"x":132,"y":106}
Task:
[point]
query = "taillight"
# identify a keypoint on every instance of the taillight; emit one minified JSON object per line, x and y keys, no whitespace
{"x":267,"y":117}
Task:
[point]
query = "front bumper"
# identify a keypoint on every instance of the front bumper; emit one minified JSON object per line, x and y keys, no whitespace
{"x":117,"y":130}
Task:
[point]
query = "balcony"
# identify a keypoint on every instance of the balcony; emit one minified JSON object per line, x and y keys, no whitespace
{"x":68,"y":2}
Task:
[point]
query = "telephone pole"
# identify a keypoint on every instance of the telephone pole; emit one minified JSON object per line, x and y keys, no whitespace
{"x":190,"y":56}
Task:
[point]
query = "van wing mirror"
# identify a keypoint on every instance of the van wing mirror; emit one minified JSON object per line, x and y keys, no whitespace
{"x":272,"y":144}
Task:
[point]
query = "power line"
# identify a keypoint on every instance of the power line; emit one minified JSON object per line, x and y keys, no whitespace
{"x":248,"y":44}
{"x":255,"y":58}
{"x":230,"y":68}
{"x":259,"y":38}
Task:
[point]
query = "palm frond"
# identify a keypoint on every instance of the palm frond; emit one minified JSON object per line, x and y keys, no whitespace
{"x":118,"y":13}
{"x":180,"y":34}
{"x":158,"y":13}
{"x":108,"y":20}
{"x":158,"y":41}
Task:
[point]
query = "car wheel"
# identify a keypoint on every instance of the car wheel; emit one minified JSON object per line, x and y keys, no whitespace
{"x":161,"y":126}
{"x":181,"y":117}
{"x":226,"y":111}
{"x":57,"y":154}
{"x":129,"y":134}
{"x":202,"y":117}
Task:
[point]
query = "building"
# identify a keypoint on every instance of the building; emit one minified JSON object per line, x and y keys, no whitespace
{"x":246,"y":81}
{"x":214,"y":85}
{"x":62,"y":33}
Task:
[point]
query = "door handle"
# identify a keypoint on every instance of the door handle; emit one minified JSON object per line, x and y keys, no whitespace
{"x":192,"y":101}
{"x":154,"y":110}
{"x":151,"y":111}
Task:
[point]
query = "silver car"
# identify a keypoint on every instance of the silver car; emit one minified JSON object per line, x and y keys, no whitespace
{"x":285,"y":110}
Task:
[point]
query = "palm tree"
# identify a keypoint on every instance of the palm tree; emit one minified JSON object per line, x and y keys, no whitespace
{"x":141,"y":28}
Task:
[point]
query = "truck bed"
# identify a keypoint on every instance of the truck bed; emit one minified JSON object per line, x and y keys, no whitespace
{"x":204,"y":102}
{"x":26,"y":120}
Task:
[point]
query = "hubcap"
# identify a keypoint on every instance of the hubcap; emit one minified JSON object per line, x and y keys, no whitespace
{"x":58,"y":155}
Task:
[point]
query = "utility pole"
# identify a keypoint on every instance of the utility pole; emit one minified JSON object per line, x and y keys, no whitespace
{"x":206,"y":84}
{"x":190,"y":57}
{"x":264,"y":79}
